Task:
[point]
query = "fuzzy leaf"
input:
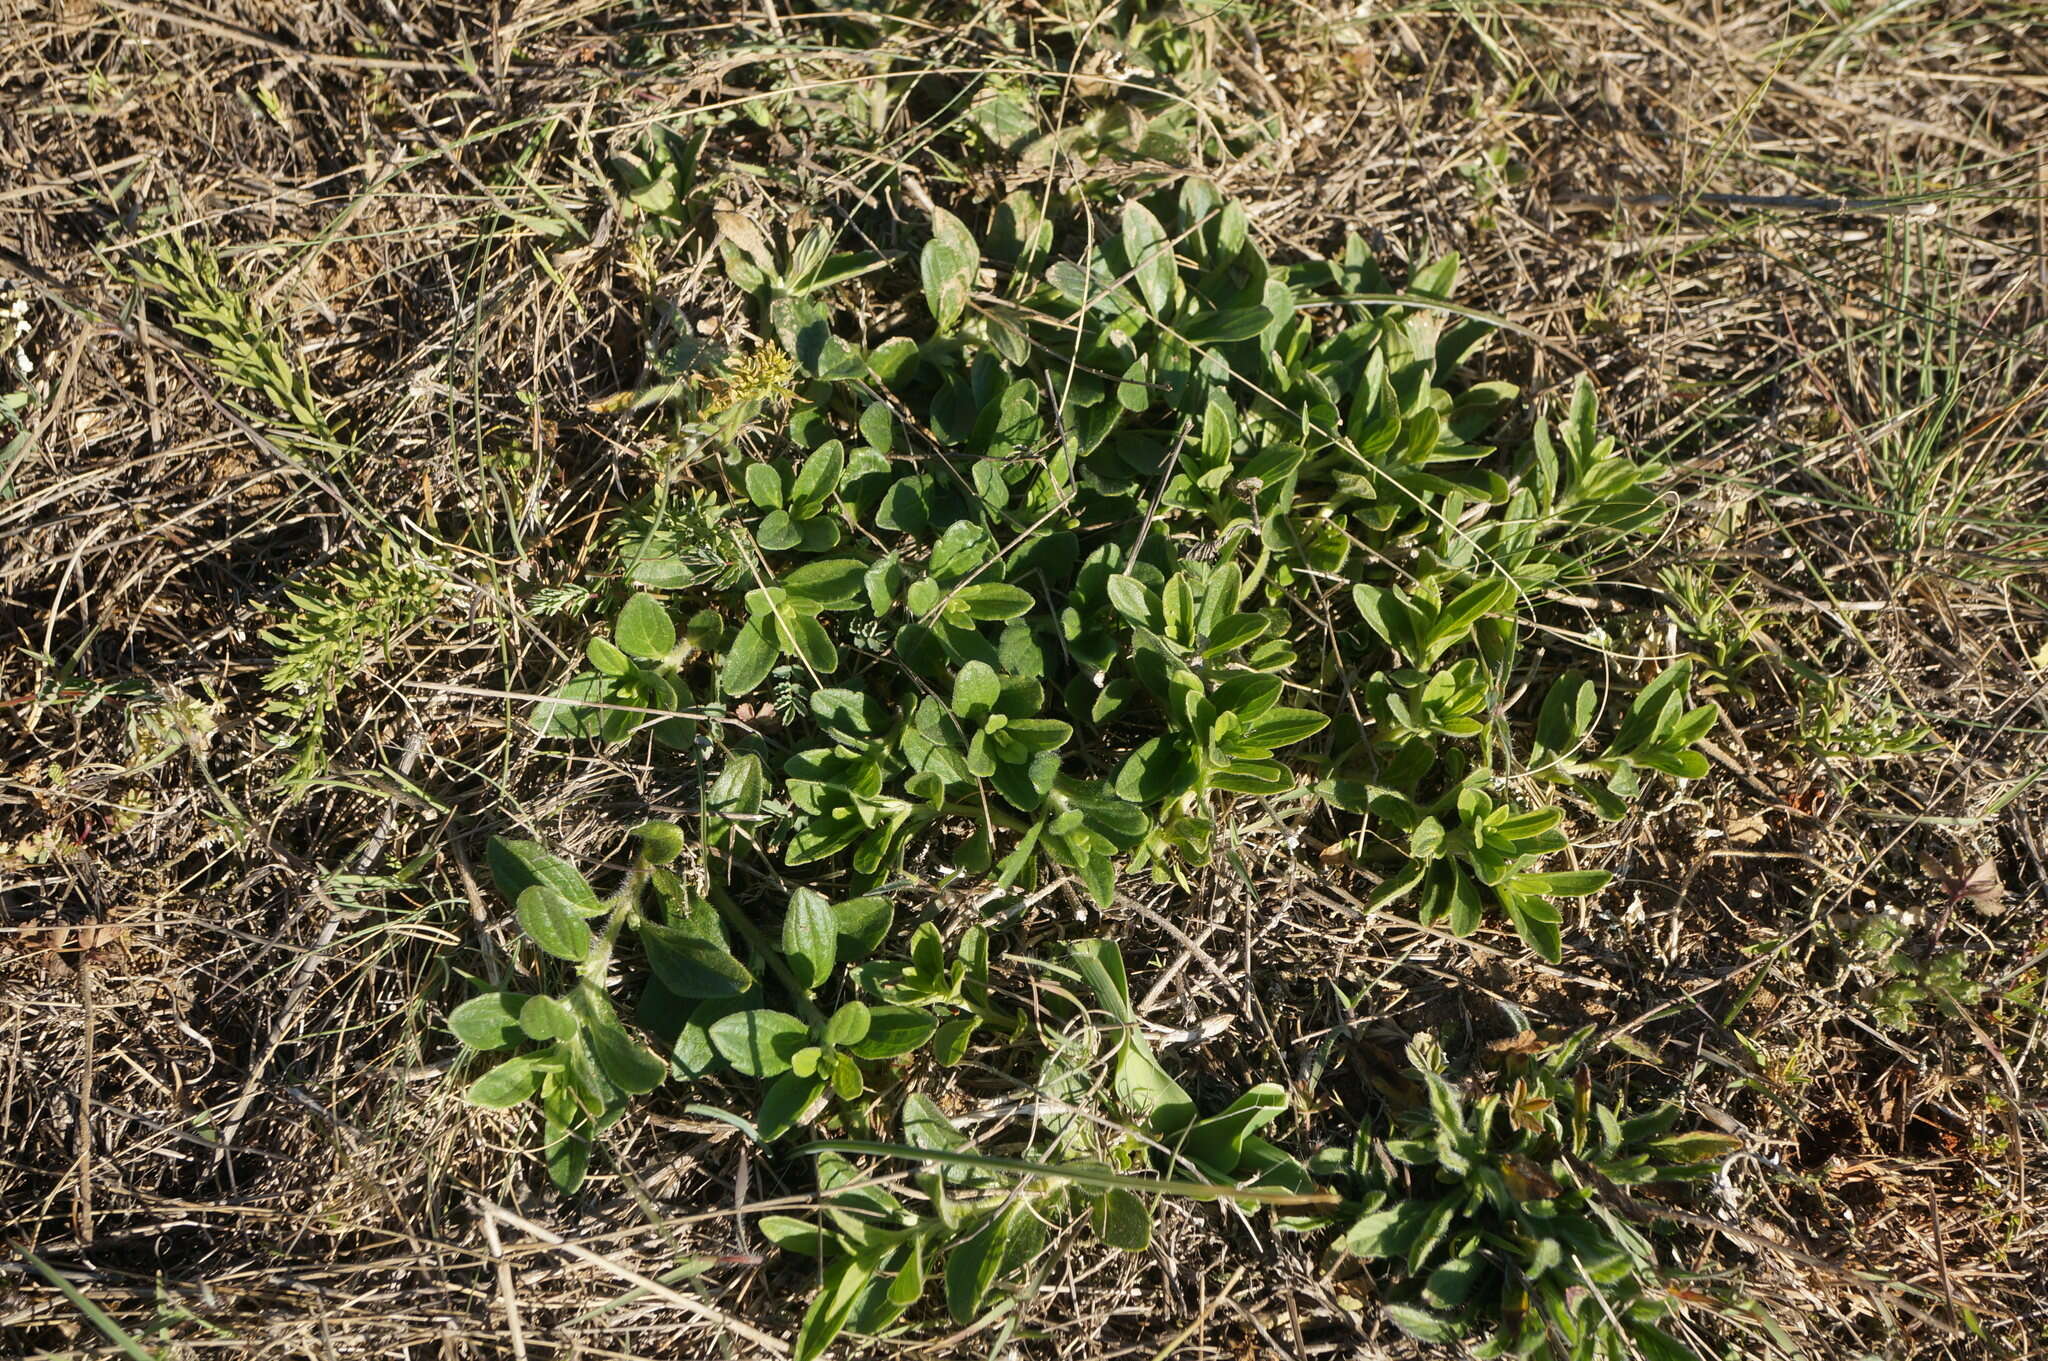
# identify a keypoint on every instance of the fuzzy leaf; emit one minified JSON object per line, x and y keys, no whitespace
{"x":644,"y":628}
{"x":1150,"y":254}
{"x":818,"y":477}
{"x":1284,"y":727}
{"x":1697,"y":1146}
{"x":543,"y":1018}
{"x":509,"y":1084}
{"x":810,"y":938}
{"x":975,"y":690}
{"x":994,"y":600}
{"x":764,"y":485}
{"x":759,"y":1043}
{"x":1123,"y":1221}
{"x":749,"y":660}
{"x":831,"y":583}
{"x":1227,"y":324}
{"x":553,"y":924}
{"x":1134,"y":600}
{"x":627,"y":1063}
{"x":894,"y":1030}
{"x":1385,"y":1233}
{"x":863,"y":924}
{"x":489,"y":1021}
{"x":518,"y":865}
{"x":660,"y":842}
{"x":971,"y":1267}
{"x":567,"y":1149}
{"x":690,"y":966}
{"x":791,"y":1235}
{"x":1567,"y":713}
{"x":784,"y":1103}
{"x":925,"y":1125}
{"x":849,"y":1025}
{"x":845,"y":1280}
{"x":1564,"y":883}
{"x":947,"y":267}
{"x":1157,"y":770}
{"x":813,"y":644}
{"x":1422,"y":1325}
{"x":949,"y":1044}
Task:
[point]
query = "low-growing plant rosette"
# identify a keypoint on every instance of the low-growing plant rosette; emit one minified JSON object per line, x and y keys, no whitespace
{"x":1129,"y":548}
{"x":1134,"y":540}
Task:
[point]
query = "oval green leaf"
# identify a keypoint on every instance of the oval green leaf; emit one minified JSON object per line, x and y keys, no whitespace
{"x":644,"y":628}
{"x":507,"y":1085}
{"x":518,"y":865}
{"x":894,"y":1030}
{"x":630,"y":1065}
{"x":784,"y":1103}
{"x":690,"y":966}
{"x":759,"y":1043}
{"x":810,"y":938}
{"x":543,"y":1018}
{"x":750,"y":659}
{"x":489,"y":1021}
{"x":553,"y":924}
{"x":849,"y":1025}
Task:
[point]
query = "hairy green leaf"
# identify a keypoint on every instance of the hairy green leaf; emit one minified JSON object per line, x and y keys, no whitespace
{"x":810,"y":938}
{"x":644,"y":628}
{"x":488,"y":1021}
{"x":760,"y":1042}
{"x":553,"y":923}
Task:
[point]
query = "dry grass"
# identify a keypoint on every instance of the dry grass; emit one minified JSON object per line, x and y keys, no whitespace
{"x":1803,"y":250}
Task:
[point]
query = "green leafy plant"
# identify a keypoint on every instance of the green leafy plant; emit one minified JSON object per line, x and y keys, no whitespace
{"x":1067,"y":595}
{"x":978,"y":1222}
{"x":1943,"y":982}
{"x":804,"y":266}
{"x":661,"y":178}
{"x":878,"y":1254}
{"x":1839,"y":721}
{"x":1224,"y":1149}
{"x":240,"y":341}
{"x":1722,"y":625}
{"x":1503,"y":1220}
{"x":980,"y":1219}
{"x":631,"y":675}
{"x":708,"y":1003}
{"x":574,"y":1053}
{"x":1905,"y":986}
{"x":332,"y":628}
{"x":1052,"y":587}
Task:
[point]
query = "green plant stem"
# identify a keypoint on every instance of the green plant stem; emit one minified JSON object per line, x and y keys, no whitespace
{"x":624,"y":904}
{"x":94,"y":1315}
{"x":1094,"y":1178}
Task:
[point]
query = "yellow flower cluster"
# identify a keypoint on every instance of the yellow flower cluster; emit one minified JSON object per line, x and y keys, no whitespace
{"x":762,"y":375}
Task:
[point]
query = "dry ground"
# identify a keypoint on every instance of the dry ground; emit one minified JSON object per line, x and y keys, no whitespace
{"x":1803,"y":249}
